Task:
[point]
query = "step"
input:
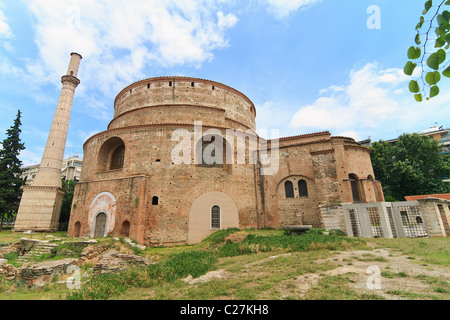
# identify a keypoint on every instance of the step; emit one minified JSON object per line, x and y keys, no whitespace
{"x":39,"y":249}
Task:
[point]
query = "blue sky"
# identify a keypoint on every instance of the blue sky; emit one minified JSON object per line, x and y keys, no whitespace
{"x":307,"y":65}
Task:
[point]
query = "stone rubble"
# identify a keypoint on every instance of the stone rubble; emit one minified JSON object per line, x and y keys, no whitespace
{"x":44,"y":271}
{"x":38,"y":274}
{"x":114,"y":262}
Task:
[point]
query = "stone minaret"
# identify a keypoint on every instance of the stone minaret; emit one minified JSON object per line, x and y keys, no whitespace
{"x":40,"y":206}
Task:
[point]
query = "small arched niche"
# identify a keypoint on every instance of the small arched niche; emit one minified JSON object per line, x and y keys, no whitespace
{"x":125,"y":231}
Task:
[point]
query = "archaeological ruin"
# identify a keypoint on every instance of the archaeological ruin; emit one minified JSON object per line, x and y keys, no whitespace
{"x":181,"y":158}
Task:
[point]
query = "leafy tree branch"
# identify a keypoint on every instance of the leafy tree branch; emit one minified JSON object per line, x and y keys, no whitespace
{"x":431,"y":54}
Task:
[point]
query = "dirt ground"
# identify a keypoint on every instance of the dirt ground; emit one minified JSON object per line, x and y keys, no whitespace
{"x":384,"y":272}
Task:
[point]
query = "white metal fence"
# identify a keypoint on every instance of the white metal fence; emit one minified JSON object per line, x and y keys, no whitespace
{"x":385,"y":219}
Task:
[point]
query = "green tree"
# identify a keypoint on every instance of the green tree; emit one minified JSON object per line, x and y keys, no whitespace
{"x":10,"y":170}
{"x":430,"y":50}
{"x":69,"y":187}
{"x":412,"y":166}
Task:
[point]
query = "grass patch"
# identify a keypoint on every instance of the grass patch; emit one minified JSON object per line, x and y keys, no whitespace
{"x":197,"y":262}
{"x":438,"y":285}
{"x":275,"y":278}
{"x":12,"y":258}
{"x":310,"y":241}
{"x":7,"y":236}
{"x":429,"y":250}
{"x":337,"y":288}
{"x":105,"y":286}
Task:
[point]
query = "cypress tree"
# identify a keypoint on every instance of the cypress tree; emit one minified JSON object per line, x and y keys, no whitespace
{"x":10,"y":170}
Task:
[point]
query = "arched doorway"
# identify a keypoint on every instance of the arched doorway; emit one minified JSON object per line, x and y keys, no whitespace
{"x":102,"y":215}
{"x":100,"y":225}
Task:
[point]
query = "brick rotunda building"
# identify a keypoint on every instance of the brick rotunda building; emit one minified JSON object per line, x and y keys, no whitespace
{"x":156,"y":174}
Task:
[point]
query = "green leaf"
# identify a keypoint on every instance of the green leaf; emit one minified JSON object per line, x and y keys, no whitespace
{"x":414,"y":53}
{"x":433,"y":61}
{"x":409,"y":68}
{"x":420,"y":24}
{"x":442,"y":55}
{"x":442,"y":20}
{"x":446,"y":15}
{"x":417,"y":39}
{"x":440,"y":32}
{"x":437,"y":76}
{"x":446,"y":72}
{"x":428,"y":5}
{"x":418,"y":97}
{"x":436,"y":59}
{"x":414,"y":86}
{"x":440,"y":42}
{"x":430,"y":78}
{"x":434,"y":91}
{"x":433,"y":77}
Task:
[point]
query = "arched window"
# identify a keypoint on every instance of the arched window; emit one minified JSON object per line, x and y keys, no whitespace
{"x":289,"y":189}
{"x":111,"y":154}
{"x":211,"y":150}
{"x":155,"y":200}
{"x":117,"y":158}
{"x":354,"y":186}
{"x":208,"y":158}
{"x":303,"y":188}
{"x":215,"y":217}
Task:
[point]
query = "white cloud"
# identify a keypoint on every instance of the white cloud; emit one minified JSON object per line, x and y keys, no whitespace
{"x":283,"y":8}
{"x":30,"y":158}
{"x":332,"y":89}
{"x":5,"y":30}
{"x":227,"y":21}
{"x":118,"y":40}
{"x":372,"y":98}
